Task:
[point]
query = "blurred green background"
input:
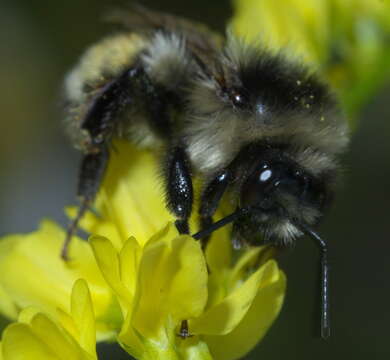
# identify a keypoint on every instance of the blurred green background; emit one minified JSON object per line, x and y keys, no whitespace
{"x":41,"y":40}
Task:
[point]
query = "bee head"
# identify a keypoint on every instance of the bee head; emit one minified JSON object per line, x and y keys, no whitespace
{"x":279,"y":193}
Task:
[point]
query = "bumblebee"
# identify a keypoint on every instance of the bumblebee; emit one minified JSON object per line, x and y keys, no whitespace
{"x":248,"y":122}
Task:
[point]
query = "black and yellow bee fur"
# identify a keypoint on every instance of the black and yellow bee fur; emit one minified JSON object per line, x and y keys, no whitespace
{"x":246,"y":121}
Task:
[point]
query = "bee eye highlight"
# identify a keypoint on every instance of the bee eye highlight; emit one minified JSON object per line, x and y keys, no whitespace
{"x":265,"y":175}
{"x":256,"y":189}
{"x":238,"y":98}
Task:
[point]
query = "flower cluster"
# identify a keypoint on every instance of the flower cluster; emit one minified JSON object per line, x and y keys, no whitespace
{"x":141,"y":287}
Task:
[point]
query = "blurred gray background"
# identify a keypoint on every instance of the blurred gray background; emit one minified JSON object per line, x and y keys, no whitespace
{"x":40,"y":40}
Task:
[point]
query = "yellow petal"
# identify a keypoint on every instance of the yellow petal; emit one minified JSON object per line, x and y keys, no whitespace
{"x":166,"y":233}
{"x":131,"y":196}
{"x":83,"y":316}
{"x":33,"y":273}
{"x":219,"y":251}
{"x":250,"y":260}
{"x":218,"y":255}
{"x":108,"y":261}
{"x":41,"y":340}
{"x":38,"y":337}
{"x":188,"y":288}
{"x":27,"y":314}
{"x":130,"y":340}
{"x":223,"y":317}
{"x":194,"y":349}
{"x":219,"y":259}
{"x":7,"y":305}
{"x":255,"y":324}
{"x":19,"y":343}
{"x":97,"y":225}
{"x":172,"y":283}
{"x":130,"y":257}
{"x":56,"y":339}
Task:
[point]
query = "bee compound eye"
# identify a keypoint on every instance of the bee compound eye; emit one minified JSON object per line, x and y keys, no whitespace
{"x":268,"y":179}
{"x":256,"y":188}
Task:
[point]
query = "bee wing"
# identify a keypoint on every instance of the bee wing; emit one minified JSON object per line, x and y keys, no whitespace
{"x":201,"y":41}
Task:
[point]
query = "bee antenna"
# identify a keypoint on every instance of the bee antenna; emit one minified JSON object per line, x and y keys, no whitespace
{"x":220,"y":223}
{"x":323,"y":245}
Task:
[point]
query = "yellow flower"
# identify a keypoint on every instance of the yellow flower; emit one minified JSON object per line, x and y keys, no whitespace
{"x":347,"y":40}
{"x":142,"y":287}
{"x":161,"y":278}
{"x":32,"y":274}
{"x":244,"y":298}
{"x":166,"y":281}
{"x":38,"y":337}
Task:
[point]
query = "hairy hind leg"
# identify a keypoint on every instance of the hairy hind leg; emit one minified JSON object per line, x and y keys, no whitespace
{"x":91,"y":174}
{"x":100,"y":122}
{"x":178,"y":187}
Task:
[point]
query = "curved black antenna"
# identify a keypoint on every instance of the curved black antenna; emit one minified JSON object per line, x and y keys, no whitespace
{"x":323,"y":245}
{"x":220,"y":223}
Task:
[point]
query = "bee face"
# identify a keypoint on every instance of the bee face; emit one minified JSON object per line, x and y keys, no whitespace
{"x":278,"y":192}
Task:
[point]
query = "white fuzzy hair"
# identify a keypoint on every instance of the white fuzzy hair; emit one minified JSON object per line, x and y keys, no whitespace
{"x":166,"y":59}
{"x":215,"y":134}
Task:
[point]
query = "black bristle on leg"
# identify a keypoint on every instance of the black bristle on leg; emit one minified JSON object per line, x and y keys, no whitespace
{"x":72,"y":228}
{"x":93,"y":167}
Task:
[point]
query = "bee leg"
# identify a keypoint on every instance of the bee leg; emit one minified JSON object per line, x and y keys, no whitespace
{"x":179,"y":198}
{"x":179,"y":191}
{"x":100,"y":122}
{"x":210,"y":199}
{"x":92,"y":170}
